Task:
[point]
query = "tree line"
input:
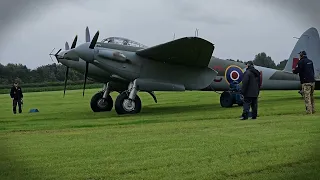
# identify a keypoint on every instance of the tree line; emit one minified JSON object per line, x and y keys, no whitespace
{"x":43,"y":74}
{"x":263,"y":60}
{"x":47,"y":74}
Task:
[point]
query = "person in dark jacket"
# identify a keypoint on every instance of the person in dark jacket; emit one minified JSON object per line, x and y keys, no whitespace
{"x":16,"y":95}
{"x":305,"y":70}
{"x":250,"y":91}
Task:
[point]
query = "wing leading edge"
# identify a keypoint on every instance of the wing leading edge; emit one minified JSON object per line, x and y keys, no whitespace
{"x":188,"y":51}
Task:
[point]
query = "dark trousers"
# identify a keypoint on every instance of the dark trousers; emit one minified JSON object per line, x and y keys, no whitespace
{"x":250,"y":102}
{"x":14,"y":104}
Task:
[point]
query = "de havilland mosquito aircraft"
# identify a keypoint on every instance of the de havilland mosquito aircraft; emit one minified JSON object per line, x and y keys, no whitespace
{"x":128,"y":67}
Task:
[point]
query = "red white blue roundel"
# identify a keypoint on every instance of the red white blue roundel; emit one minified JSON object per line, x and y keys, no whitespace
{"x":233,"y":73}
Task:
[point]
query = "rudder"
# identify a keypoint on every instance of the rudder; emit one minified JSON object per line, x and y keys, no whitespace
{"x":309,"y":41}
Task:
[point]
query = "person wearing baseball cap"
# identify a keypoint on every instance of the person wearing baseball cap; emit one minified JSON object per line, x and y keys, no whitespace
{"x":250,"y":91}
{"x":305,"y":70}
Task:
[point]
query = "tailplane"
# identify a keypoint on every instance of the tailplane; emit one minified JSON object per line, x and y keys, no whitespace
{"x":309,"y":41}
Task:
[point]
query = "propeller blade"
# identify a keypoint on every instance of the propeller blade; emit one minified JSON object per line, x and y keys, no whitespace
{"x":85,"y":77}
{"x":74,"y":42}
{"x":52,"y":54}
{"x":87,"y":34}
{"x":66,"y":46}
{"x":57,"y":53}
{"x":94,"y":40}
{"x":65,"y":81}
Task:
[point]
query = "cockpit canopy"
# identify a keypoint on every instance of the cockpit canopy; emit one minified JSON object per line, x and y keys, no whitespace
{"x":123,"y":41}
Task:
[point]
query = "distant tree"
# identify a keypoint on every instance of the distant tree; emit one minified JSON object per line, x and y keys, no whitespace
{"x":263,"y":60}
{"x":46,"y":73}
{"x":239,"y":61}
{"x":282,"y":64}
{"x":18,"y":80}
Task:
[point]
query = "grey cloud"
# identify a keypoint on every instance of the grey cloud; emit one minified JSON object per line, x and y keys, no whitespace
{"x":207,"y":19}
{"x":15,"y":10}
{"x":301,"y":11}
{"x":236,"y":27}
{"x":198,"y":12}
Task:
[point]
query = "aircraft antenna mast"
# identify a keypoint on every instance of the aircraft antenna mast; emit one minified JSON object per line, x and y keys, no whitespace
{"x":174,"y":36}
{"x":197,"y":33}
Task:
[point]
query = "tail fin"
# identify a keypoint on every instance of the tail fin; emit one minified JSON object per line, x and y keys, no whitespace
{"x":309,"y":41}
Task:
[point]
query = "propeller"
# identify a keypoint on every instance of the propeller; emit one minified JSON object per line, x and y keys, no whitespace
{"x":66,"y":46}
{"x":67,"y":72}
{"x":91,"y":46}
{"x":85,"y":53}
{"x":94,"y":40}
{"x":87,"y":34}
{"x":52,"y":54}
{"x":55,"y":55}
{"x":74,"y":43}
{"x":85,"y":78}
{"x":65,"y":81}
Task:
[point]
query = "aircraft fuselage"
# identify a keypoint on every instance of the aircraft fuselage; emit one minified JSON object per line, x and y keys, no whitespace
{"x":272,"y":79}
{"x":103,"y":70}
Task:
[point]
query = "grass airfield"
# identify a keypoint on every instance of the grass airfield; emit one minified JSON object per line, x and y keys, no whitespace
{"x":187,"y":135}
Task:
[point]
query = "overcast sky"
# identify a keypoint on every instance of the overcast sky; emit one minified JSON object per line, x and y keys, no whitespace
{"x":240,"y":29}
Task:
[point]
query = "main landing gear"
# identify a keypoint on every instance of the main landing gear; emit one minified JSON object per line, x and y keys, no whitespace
{"x":102,"y":101}
{"x":127,"y":102}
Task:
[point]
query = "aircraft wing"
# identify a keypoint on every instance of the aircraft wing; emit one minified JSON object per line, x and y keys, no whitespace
{"x":188,"y":51}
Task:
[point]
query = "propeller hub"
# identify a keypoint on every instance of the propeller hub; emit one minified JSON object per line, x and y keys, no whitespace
{"x":61,"y":59}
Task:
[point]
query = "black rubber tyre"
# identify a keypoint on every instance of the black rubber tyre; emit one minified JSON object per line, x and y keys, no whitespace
{"x":121,"y":104}
{"x":100,"y":105}
{"x":226,"y":99}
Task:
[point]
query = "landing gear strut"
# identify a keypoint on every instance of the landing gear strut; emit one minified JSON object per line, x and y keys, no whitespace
{"x":128,"y":102}
{"x":102,"y":101}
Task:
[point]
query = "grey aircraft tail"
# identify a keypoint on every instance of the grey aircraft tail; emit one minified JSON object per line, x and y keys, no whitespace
{"x":309,"y":41}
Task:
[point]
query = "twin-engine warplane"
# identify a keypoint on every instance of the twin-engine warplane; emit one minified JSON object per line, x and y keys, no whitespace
{"x":130,"y":67}
{"x":183,"y":64}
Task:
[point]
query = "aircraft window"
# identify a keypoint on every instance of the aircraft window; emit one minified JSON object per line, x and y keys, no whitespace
{"x":123,"y":41}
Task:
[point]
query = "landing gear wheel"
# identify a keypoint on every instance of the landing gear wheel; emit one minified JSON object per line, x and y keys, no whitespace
{"x":226,"y":99}
{"x":124,"y":105}
{"x":98,"y":104}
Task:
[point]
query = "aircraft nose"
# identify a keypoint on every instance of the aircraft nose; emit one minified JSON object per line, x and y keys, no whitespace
{"x":60,"y":58}
{"x":84,"y":52}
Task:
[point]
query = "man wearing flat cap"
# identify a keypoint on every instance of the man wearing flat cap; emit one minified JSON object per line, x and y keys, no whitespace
{"x":250,"y":90}
{"x":306,"y":73}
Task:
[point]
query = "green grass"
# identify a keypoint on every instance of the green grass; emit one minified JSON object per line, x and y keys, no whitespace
{"x":185,"y":136}
{"x":41,"y":88}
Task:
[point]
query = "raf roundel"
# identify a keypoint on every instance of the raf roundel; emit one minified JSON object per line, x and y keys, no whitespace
{"x":233,"y":73}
